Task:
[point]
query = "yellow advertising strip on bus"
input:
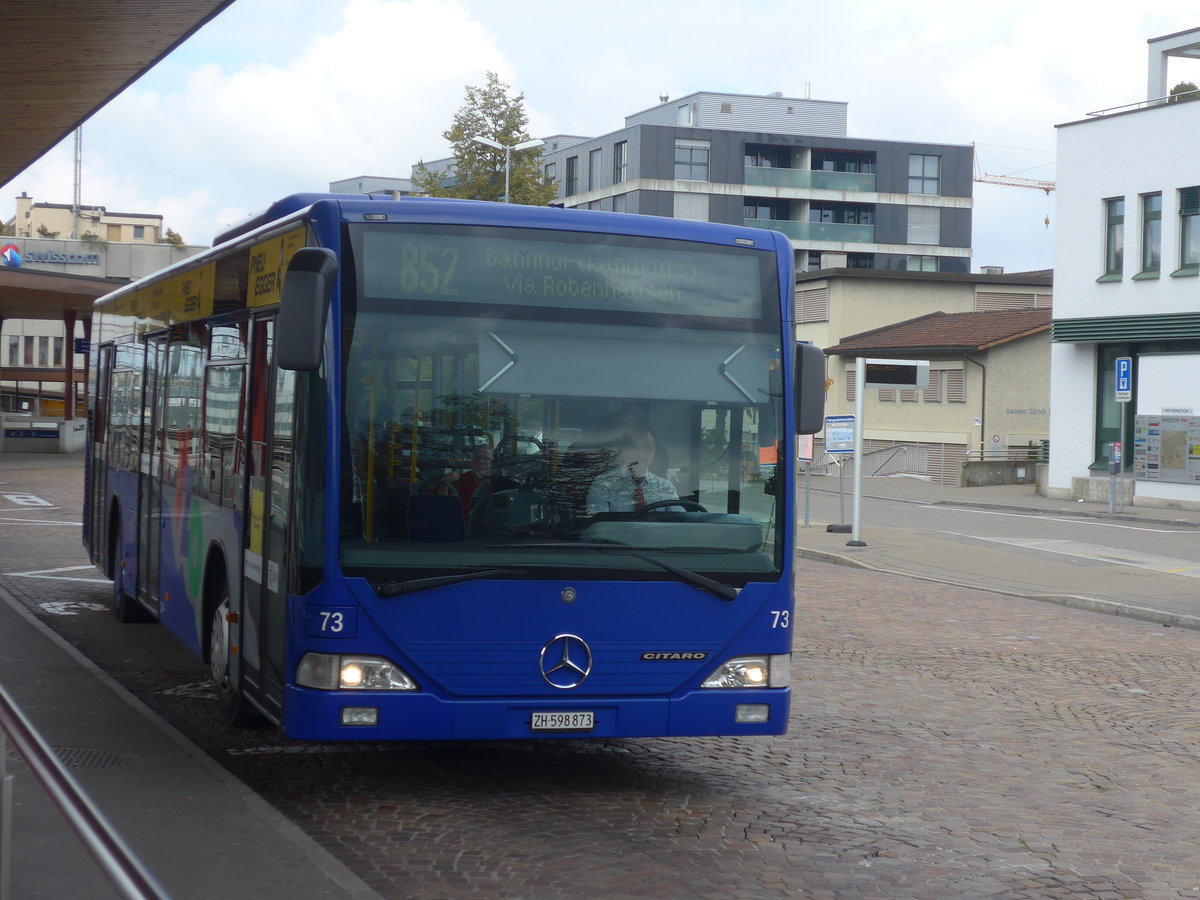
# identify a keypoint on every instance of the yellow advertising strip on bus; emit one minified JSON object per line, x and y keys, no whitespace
{"x":268,"y":262}
{"x":192,"y":294}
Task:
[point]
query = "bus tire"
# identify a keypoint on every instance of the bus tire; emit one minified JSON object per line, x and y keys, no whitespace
{"x":236,"y":711}
{"x":125,"y":608}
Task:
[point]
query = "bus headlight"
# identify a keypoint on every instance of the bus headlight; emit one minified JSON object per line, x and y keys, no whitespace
{"x":752,"y":671}
{"x":331,"y":672}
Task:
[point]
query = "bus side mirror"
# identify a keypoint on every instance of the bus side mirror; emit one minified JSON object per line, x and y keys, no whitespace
{"x":300,"y":328}
{"x":809,"y":389}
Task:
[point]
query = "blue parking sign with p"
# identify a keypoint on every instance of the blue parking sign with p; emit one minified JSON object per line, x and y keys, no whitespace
{"x":1124,"y":379}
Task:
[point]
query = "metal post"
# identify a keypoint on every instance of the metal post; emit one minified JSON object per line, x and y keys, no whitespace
{"x":860,"y":388}
{"x":807,"y":492}
{"x":1121,"y":467}
{"x":6,"y":791}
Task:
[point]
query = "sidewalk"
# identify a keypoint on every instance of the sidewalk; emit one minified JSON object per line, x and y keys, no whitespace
{"x":199,"y":831}
{"x":1117,"y":583}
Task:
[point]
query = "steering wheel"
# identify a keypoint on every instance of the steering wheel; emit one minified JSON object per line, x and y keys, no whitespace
{"x":688,"y":505}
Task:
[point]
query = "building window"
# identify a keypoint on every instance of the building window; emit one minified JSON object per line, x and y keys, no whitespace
{"x":1114,"y":237}
{"x":843,"y":161}
{"x":43,"y":352}
{"x":1189,"y":231}
{"x":551,"y":172}
{"x":924,"y":225}
{"x":14,"y":349}
{"x":933,"y":393}
{"x":956,"y":388}
{"x":685,"y":115}
{"x":768,"y":210}
{"x":924,"y":174}
{"x":922,"y":264}
{"x":139,"y":232}
{"x":572,"y":185}
{"x":842,"y":213}
{"x":691,"y":206}
{"x":727,"y":108}
{"x":58,"y":353}
{"x":620,"y":160}
{"x":691,"y":160}
{"x":1151,"y":234}
{"x":812,"y":306}
{"x":850,"y":384}
{"x":28,"y":350}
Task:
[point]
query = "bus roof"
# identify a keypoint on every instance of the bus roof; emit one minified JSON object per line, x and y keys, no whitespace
{"x":455,"y":211}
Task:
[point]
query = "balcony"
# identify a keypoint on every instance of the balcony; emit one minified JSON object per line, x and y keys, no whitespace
{"x":817,"y":231}
{"x":763,"y":176}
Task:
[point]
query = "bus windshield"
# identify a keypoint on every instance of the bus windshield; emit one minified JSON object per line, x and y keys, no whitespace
{"x":527,"y":400}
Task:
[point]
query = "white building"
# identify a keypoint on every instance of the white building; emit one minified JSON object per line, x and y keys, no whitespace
{"x":1127,"y":273}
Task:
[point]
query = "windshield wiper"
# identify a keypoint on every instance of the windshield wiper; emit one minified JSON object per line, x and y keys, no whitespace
{"x":396,"y":588}
{"x":724,"y":591}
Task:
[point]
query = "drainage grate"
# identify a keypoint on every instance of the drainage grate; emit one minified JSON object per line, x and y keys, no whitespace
{"x":84,"y":758}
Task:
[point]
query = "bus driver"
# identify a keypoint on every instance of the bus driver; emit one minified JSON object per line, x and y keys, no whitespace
{"x":630,"y":485}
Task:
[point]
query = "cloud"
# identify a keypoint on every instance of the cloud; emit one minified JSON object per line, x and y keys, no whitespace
{"x":371,"y":97}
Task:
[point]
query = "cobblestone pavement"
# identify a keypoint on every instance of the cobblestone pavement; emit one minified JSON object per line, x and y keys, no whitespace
{"x":946,"y":742}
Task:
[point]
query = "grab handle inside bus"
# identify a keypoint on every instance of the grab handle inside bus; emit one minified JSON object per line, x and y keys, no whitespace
{"x":307,"y":287}
{"x":809,"y":390}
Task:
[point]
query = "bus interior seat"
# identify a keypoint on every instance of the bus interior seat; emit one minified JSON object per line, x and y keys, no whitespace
{"x":436,"y":517}
{"x":392,"y":517}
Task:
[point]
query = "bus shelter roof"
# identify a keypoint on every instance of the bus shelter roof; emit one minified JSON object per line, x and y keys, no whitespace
{"x":29,"y":294}
{"x":60,"y":62}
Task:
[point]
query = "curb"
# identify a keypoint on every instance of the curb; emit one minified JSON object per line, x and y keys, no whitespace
{"x":1090,"y":604}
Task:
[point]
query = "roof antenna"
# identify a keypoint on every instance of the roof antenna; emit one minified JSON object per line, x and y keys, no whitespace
{"x":663,"y":97}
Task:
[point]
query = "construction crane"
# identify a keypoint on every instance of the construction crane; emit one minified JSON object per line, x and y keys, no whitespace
{"x":1012,"y":181}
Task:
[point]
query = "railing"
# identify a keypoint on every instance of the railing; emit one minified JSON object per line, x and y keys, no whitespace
{"x":1033,"y":453}
{"x":98,"y":837}
{"x":884,"y":461}
{"x":817,"y":231}
{"x":767,"y":176}
{"x":1182,"y":97}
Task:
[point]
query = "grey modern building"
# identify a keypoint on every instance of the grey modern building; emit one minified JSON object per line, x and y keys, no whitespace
{"x":781,"y":163}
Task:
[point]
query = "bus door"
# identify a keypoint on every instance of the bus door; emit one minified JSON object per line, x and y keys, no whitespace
{"x":96,"y":483}
{"x":270,"y":426}
{"x":153,"y":440}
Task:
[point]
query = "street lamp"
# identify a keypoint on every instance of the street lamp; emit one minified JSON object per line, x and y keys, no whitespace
{"x":508,"y":152}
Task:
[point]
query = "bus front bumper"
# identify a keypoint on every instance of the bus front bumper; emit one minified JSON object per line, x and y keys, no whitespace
{"x":379,"y":716}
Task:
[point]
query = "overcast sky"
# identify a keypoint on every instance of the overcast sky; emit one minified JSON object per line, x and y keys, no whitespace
{"x":278,"y":96}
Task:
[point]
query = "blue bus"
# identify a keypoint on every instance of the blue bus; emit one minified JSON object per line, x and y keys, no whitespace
{"x":440,"y":469}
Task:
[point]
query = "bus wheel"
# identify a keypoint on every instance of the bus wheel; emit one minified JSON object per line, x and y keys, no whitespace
{"x":125,"y":608}
{"x":234,"y":708}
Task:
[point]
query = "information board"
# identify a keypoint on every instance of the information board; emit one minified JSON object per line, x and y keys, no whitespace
{"x":1167,"y":448}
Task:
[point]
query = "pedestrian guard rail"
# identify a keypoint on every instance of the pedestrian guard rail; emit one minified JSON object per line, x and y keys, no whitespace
{"x":99,"y":838}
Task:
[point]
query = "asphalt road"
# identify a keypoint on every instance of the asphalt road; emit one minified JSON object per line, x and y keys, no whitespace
{"x":946,"y":742}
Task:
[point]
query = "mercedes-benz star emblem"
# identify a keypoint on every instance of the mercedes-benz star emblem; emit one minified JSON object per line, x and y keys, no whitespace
{"x":565,"y":661}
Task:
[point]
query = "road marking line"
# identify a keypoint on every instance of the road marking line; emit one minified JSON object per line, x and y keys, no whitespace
{"x":41,"y":522}
{"x":49,"y":574}
{"x":25,"y":499}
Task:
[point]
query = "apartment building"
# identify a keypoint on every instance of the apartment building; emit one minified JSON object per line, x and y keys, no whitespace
{"x":87,"y":223}
{"x":785,"y":164}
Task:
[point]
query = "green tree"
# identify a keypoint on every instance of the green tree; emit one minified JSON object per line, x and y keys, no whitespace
{"x":172,"y":237}
{"x":1185,"y":90}
{"x":488,"y":112}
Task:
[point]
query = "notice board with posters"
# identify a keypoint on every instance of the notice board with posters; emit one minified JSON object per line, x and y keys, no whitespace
{"x":1167,"y":448}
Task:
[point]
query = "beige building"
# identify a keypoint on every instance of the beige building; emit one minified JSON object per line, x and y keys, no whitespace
{"x":986,"y":337}
{"x":87,"y":223}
